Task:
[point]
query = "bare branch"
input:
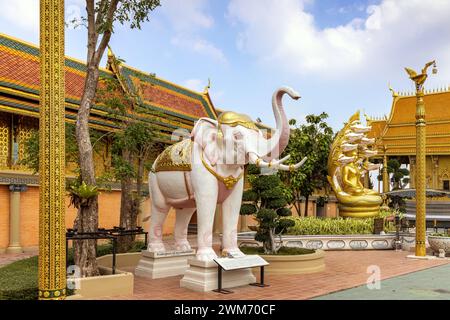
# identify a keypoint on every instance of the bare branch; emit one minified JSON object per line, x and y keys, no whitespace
{"x":92,"y":33}
{"x":108,"y":32}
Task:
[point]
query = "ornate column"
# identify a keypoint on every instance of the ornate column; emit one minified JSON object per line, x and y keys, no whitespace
{"x":412,"y":171}
{"x":244,"y":224}
{"x":419,"y":80}
{"x":14,"y":218}
{"x":386,"y":182}
{"x":52,"y":246}
{"x":435,"y":172}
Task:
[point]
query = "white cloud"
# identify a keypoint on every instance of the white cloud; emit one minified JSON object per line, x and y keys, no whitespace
{"x":194,"y":84}
{"x":23,"y":14}
{"x":395,"y":32}
{"x":187,"y":15}
{"x":188,"y":20}
{"x":199,"y":45}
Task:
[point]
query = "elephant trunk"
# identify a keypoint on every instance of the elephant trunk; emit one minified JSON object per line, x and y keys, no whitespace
{"x":271,"y":148}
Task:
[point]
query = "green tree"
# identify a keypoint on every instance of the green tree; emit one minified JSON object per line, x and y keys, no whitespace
{"x":133,"y":148}
{"x":267,"y":201}
{"x":100,"y":20}
{"x":313,"y":140}
{"x":399,"y":176}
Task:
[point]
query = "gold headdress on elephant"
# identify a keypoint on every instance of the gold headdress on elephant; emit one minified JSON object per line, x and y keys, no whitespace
{"x":234,"y":119}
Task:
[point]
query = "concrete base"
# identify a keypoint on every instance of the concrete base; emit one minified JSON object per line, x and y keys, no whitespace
{"x":121,"y":283}
{"x":411,"y":256}
{"x":201,"y":276}
{"x":162,"y":265}
{"x":14,"y":250}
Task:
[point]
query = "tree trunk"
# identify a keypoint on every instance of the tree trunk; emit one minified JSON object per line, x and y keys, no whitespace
{"x":306,"y":205}
{"x":127,"y":207}
{"x":273,"y":245}
{"x":87,"y":218}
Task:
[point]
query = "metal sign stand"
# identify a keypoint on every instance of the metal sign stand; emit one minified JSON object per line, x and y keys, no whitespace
{"x":219,"y":289}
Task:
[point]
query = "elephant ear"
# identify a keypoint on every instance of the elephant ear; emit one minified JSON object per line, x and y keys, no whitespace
{"x":205,"y":135}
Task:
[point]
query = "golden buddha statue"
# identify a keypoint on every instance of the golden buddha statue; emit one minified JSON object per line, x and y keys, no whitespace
{"x":347,"y":163}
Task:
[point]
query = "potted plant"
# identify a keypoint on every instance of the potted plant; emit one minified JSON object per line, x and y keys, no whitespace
{"x":440,"y":241}
{"x":266,"y":200}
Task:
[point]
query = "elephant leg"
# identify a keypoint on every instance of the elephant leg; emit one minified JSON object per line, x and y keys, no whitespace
{"x":156,"y":229}
{"x":158,"y":216}
{"x":206,"y":192}
{"x":230,"y":215}
{"x":181,"y":227}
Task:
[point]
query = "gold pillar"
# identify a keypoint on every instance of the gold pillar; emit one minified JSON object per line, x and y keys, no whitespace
{"x":14,"y":218}
{"x":385,"y":174}
{"x":412,"y":172}
{"x":52,"y":246}
{"x":420,"y":176}
{"x":421,"y":184}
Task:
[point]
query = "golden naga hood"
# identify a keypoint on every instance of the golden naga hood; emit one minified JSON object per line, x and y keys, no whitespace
{"x":347,"y":163}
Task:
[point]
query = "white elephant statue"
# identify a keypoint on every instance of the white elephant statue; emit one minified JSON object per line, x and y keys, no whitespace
{"x":198,"y":173}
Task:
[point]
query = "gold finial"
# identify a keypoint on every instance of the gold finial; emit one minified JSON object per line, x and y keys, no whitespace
{"x":208,"y":86}
{"x":394,"y":94}
{"x":419,"y":79}
{"x":110,"y":52}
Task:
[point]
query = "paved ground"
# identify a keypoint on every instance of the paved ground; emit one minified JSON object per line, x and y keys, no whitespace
{"x":344,"y":270}
{"x":7,"y":258}
{"x":432,"y":284}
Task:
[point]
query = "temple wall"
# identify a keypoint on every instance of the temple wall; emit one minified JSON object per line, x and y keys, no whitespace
{"x":4,"y":217}
{"x":109,"y":213}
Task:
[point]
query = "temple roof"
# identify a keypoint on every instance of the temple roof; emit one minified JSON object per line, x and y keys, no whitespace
{"x":398,"y":132}
{"x":19,"y":90}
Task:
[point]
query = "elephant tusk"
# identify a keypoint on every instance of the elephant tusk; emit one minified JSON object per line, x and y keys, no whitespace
{"x":277,"y":164}
{"x":293,"y":167}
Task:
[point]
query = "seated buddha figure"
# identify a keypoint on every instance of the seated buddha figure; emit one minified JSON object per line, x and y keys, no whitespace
{"x":351,"y":176}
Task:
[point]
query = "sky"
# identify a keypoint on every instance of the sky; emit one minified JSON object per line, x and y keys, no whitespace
{"x":340,"y":55}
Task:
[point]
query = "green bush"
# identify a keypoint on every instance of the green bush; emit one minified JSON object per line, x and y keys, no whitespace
{"x":330,"y":226}
{"x":19,"y":280}
{"x":267,"y":201}
{"x":281,"y":251}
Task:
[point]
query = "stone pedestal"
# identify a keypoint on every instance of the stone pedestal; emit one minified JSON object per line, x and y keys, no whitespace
{"x":162,"y":265}
{"x":202,"y":276}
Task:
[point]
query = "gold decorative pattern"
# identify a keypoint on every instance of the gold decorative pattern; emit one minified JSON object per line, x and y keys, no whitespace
{"x":229,"y":181}
{"x":176,"y":157}
{"x":52,"y":246}
{"x":5,"y":124}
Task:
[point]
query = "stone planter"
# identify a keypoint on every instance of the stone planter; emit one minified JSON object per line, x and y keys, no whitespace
{"x":437,"y":243}
{"x":108,"y":284}
{"x":327,"y":242}
{"x":294,"y":264}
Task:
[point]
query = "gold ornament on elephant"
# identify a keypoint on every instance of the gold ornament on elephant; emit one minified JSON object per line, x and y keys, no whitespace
{"x":348,"y":162}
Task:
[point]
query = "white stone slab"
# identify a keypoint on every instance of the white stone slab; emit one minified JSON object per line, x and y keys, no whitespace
{"x":411,"y":256}
{"x":202,"y":276}
{"x":162,"y":265}
{"x":249,"y":261}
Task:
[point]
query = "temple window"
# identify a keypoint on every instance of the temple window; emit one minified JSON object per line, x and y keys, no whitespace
{"x":446,"y":184}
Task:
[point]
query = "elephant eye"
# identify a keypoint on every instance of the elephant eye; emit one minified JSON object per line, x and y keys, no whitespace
{"x":238,"y":135}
